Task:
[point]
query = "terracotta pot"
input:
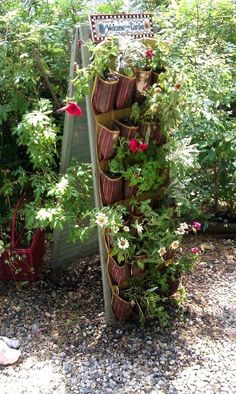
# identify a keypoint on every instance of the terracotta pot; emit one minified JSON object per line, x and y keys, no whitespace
{"x":121,"y":309}
{"x":125,"y":91}
{"x":118,"y":273}
{"x":111,"y":189}
{"x":107,"y":140}
{"x":173,"y":287}
{"x":126,"y":131}
{"x":103,"y":95}
{"x":155,"y":133}
{"x":135,"y":270}
{"x":143,"y":82}
{"x":129,"y":191}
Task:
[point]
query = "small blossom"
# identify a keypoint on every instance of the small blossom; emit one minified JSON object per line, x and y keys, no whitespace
{"x":157,"y":90}
{"x":162,"y":251}
{"x":177,"y":86}
{"x":142,"y":147}
{"x":154,"y":108}
{"x":101,"y":219}
{"x":133,"y":145}
{"x":195,"y":250}
{"x":180,"y":231}
{"x":139,"y":228}
{"x":126,"y":229}
{"x":149,"y":53}
{"x":62,"y":185}
{"x":168,"y":262}
{"x":72,"y":109}
{"x":184,"y":226}
{"x":174,"y":245}
{"x":123,"y":243}
{"x":115,"y":229}
{"x":196,"y":226}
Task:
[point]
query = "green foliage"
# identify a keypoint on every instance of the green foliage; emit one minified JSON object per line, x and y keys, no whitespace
{"x":200,"y":48}
{"x":37,"y":132}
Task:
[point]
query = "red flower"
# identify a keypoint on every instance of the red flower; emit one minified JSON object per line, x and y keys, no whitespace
{"x":195,"y":250}
{"x":149,"y":53}
{"x":133,"y":145}
{"x":142,"y":147}
{"x":72,"y":109}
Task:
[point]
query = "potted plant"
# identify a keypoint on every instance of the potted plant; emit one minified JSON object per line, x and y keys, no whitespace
{"x":105,"y":81}
{"x":160,"y":111}
{"x":127,"y":79}
{"x":21,"y":252}
{"x":107,"y":139}
{"x":138,"y":56}
{"x":128,"y":121}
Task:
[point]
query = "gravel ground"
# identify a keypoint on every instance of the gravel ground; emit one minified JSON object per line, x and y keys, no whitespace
{"x":67,"y":347}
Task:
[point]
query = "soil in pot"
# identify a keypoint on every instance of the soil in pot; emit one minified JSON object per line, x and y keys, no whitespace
{"x":127,"y":129}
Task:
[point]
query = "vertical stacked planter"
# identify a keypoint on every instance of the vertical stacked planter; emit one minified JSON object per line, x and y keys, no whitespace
{"x":111,"y":103}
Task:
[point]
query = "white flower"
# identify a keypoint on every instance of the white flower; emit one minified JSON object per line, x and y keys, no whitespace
{"x":174,"y":245}
{"x":101,"y":219}
{"x":123,"y":243}
{"x":180,"y":231}
{"x":139,"y":228}
{"x":184,"y":226}
{"x":115,"y":229}
{"x":62,"y":185}
{"x":126,"y":229}
{"x":162,"y":251}
{"x":43,"y":214}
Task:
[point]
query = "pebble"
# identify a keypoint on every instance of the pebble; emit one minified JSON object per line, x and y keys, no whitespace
{"x":77,"y":353}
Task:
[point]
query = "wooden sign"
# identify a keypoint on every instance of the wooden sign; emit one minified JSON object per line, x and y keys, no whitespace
{"x":135,"y":25}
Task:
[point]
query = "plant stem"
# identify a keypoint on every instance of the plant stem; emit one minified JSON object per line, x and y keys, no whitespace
{"x":38,"y":60}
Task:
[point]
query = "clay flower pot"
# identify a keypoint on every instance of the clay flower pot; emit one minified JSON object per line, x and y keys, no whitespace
{"x":107,"y":141}
{"x":125,"y":91}
{"x":156,"y":136}
{"x":135,"y":270}
{"x":111,"y":189}
{"x":129,"y":191}
{"x":121,"y":309}
{"x":126,"y":131}
{"x":143,"y":82}
{"x":117,"y":273}
{"x":103,"y":95}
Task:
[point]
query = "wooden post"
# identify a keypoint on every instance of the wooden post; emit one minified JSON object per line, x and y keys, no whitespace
{"x":84,"y":36}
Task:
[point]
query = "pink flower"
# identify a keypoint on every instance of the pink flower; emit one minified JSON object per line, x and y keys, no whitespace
{"x":142,"y":147}
{"x":196,"y":226}
{"x":72,"y":109}
{"x":149,"y":53}
{"x":195,"y":250}
{"x":133,"y":145}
